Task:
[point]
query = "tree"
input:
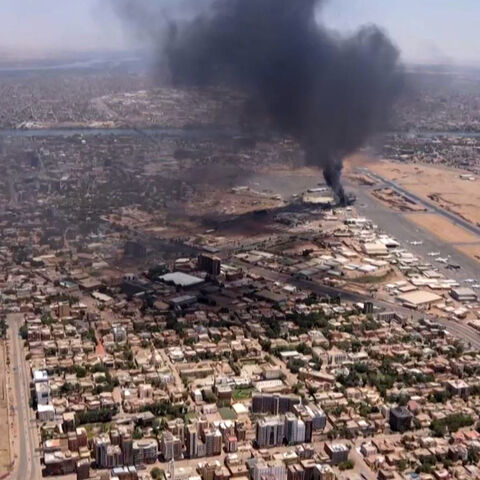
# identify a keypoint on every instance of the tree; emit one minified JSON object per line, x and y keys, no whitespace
{"x":159,"y":426}
{"x":67,"y":388}
{"x":23,"y":331}
{"x":3,"y":327}
{"x":157,"y":473}
{"x":451,"y":423}
{"x":80,"y":371}
{"x":90,"y":335}
{"x":295,"y":364}
{"x":347,"y":465}
{"x":304,"y":349}
{"x":473,"y":456}
{"x":47,"y":319}
{"x":96,"y":416}
{"x":356,"y":346}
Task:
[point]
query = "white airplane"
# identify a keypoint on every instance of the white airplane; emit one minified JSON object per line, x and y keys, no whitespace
{"x":470,"y":280}
{"x":433,"y":254}
{"x":416,"y":242}
{"x":441,"y":260}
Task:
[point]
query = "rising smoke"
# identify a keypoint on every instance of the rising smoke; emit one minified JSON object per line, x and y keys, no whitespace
{"x":328,"y":92}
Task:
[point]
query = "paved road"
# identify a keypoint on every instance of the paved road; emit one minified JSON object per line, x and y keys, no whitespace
{"x":28,"y":466}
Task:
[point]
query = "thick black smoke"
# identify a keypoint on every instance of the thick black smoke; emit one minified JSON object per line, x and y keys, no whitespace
{"x":328,"y":92}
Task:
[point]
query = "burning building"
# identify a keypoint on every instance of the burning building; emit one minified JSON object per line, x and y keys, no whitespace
{"x":329,"y":93}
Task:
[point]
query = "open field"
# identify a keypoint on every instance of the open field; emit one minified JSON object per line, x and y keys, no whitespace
{"x":227,"y":413}
{"x":441,"y":186}
{"x":242,"y":393}
{"x":442,"y":228}
{"x":4,"y":438}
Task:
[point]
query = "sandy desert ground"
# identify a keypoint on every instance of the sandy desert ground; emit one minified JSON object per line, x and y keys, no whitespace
{"x":442,"y":228}
{"x":439,"y":185}
{"x":443,"y":186}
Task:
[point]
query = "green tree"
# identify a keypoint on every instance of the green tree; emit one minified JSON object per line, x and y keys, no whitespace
{"x":24,"y":331}
{"x":451,"y":423}
{"x":157,"y":473}
{"x":347,"y":465}
{"x":80,"y":371}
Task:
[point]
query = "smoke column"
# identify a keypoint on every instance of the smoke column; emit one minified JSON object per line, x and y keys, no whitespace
{"x":328,"y":92}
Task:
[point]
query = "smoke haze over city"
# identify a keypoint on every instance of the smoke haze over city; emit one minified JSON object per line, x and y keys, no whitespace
{"x":440,"y":31}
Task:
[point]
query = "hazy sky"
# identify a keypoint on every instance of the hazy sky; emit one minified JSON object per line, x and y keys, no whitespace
{"x":437,"y":31}
{"x":59,"y":25}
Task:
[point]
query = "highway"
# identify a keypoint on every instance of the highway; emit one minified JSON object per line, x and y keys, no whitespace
{"x":27,"y":464}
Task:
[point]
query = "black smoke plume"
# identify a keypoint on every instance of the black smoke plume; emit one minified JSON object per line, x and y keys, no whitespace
{"x":328,"y":92}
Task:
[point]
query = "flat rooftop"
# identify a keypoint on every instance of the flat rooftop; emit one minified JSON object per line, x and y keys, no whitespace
{"x":181,"y":279}
{"x":420,"y":297}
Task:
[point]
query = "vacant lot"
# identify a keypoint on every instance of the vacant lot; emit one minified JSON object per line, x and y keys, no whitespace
{"x":471,"y":250}
{"x":442,"y":228}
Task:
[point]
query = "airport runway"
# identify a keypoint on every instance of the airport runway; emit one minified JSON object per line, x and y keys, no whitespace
{"x":398,"y":226}
{"x":456,"y":219}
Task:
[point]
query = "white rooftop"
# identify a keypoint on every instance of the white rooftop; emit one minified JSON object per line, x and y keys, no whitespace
{"x":181,"y":279}
{"x":40,"y":376}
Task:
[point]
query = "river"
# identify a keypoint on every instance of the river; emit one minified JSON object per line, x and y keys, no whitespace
{"x":200,"y":132}
{"x":191,"y":132}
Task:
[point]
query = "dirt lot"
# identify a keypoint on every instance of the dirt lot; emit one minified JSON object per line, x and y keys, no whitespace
{"x":355,"y":161}
{"x":396,"y":201}
{"x":471,"y":250}
{"x":442,"y":186}
{"x":442,"y":228}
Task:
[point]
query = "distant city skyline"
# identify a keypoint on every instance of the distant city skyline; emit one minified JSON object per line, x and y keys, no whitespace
{"x":426,"y":31}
